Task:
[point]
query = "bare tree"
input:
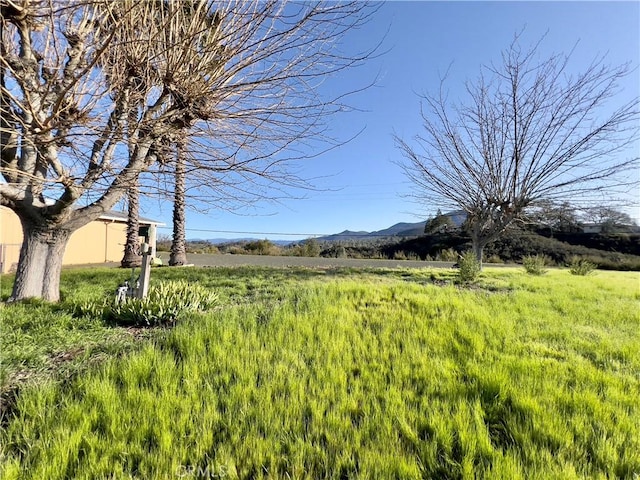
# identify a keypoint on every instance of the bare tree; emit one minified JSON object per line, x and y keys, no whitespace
{"x":91,"y":88}
{"x":558,"y":217}
{"x":610,"y":220}
{"x":530,"y":131}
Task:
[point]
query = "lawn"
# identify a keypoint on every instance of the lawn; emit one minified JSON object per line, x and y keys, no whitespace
{"x":302,"y":373}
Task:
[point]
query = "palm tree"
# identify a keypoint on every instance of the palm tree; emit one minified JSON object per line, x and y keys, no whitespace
{"x":209,"y":34}
{"x":178,"y":245}
{"x":132,"y":256}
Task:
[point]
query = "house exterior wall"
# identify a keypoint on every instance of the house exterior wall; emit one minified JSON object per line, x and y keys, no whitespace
{"x":10,"y":240}
{"x":592,"y":228}
{"x":97,"y":242}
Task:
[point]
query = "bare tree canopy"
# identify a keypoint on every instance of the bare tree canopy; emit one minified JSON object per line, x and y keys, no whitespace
{"x":91,"y":91}
{"x":530,"y":131}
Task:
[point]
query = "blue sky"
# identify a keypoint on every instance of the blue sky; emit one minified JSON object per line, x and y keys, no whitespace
{"x":361,"y":188}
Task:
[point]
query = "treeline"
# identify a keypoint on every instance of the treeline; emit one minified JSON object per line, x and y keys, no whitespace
{"x":305,"y":248}
{"x":608,"y":251}
{"x":619,"y":251}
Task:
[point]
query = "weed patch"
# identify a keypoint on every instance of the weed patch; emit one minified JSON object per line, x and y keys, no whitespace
{"x":349,"y":374}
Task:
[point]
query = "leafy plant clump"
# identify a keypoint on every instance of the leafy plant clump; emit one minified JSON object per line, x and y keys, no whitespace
{"x":447,"y":255}
{"x":162,"y":306}
{"x":581,"y":266}
{"x":469,"y":267}
{"x":535,"y":264}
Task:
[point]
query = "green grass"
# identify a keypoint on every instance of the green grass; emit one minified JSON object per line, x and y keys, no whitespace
{"x":350,"y":374}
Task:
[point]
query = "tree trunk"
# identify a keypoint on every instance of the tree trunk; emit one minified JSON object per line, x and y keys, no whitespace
{"x":477,"y":244}
{"x":178,"y":245}
{"x":132,"y":257}
{"x":40,"y":263}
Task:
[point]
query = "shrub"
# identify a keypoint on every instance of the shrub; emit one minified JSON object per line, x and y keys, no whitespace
{"x":535,"y":264}
{"x":162,"y":306}
{"x":89,"y":308}
{"x":493,"y":259}
{"x":156,"y":262}
{"x":469,"y":267}
{"x":307,"y":248}
{"x":448,"y":255}
{"x":581,"y":266}
{"x":261,"y":247}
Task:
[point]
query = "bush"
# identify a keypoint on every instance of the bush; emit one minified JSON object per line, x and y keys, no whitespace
{"x":493,"y":259}
{"x":535,"y":264}
{"x":162,"y":306}
{"x":448,"y":255}
{"x":156,"y":262}
{"x":469,"y":267}
{"x":307,"y":248}
{"x":261,"y":247}
{"x":399,"y":255}
{"x":89,"y":308}
{"x":581,"y":266}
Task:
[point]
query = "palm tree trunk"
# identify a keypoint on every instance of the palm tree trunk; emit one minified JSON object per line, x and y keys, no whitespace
{"x":178,"y":245}
{"x":132,"y":256}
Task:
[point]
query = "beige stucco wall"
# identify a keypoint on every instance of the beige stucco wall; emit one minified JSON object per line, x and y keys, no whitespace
{"x":97,"y":242}
{"x":10,"y":240}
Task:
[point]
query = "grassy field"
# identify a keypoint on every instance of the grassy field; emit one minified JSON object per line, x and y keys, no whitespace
{"x":333,"y":374}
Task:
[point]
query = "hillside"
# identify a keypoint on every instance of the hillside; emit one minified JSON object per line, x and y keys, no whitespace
{"x":402,"y":229}
{"x":615,"y":251}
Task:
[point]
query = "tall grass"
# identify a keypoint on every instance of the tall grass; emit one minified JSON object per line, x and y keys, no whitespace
{"x":363,"y":375}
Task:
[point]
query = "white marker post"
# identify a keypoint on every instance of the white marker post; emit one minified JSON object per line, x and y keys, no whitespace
{"x":145,"y":274}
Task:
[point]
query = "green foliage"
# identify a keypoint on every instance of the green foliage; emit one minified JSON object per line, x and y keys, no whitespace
{"x":163,"y":243}
{"x":191,"y":246}
{"x":493,"y":259}
{"x":581,"y":266}
{"x":40,"y":340}
{"x":518,"y":245}
{"x":156,"y":262}
{"x":468,"y":267}
{"x":448,"y":255}
{"x":535,"y":264}
{"x":260,"y":247}
{"x":90,"y":308}
{"x":307,"y":248}
{"x":438,"y":224}
{"x":402,"y":255}
{"x":164,"y":302}
{"x":608,"y":252}
{"x":378,"y":374}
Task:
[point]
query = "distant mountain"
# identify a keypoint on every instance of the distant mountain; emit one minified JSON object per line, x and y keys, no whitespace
{"x":220,"y":241}
{"x":397,"y":230}
{"x":346,"y":235}
{"x":402,"y":229}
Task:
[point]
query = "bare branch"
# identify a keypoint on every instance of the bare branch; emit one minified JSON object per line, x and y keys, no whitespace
{"x":530,"y":132}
